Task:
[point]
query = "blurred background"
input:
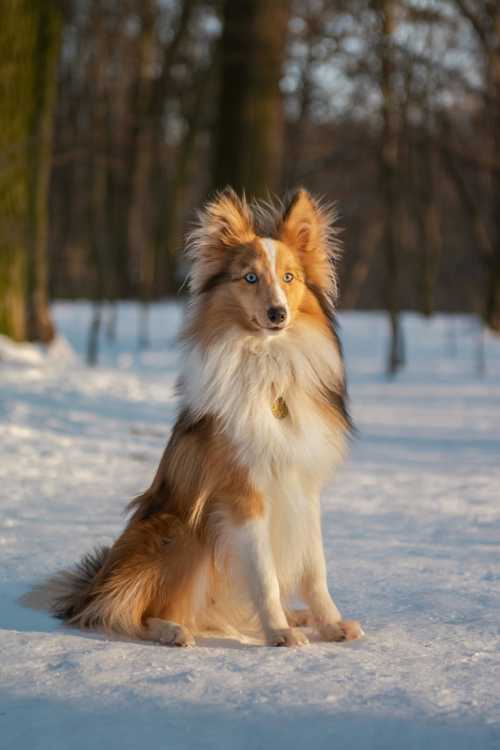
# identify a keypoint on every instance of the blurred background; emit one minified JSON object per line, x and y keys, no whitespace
{"x":118,"y":118}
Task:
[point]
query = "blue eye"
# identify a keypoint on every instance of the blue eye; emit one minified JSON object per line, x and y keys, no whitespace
{"x":288,"y":277}
{"x":251,"y":278}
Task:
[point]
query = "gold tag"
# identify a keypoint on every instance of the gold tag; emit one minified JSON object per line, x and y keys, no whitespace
{"x":279,"y":408}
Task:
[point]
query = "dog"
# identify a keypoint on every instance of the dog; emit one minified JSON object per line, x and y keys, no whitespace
{"x":229,"y":531}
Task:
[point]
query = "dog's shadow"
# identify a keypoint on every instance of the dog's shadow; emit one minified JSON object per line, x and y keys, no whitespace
{"x":16,"y":616}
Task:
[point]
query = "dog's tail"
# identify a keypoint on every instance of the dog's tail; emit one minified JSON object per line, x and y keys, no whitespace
{"x":66,"y":594}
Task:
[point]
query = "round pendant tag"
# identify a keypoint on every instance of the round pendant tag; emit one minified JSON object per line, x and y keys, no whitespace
{"x":279,"y":408}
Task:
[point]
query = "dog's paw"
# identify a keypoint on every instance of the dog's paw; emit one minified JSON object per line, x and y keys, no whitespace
{"x":169,"y":633}
{"x":346,"y":630}
{"x":352,"y":630}
{"x":289,"y":637}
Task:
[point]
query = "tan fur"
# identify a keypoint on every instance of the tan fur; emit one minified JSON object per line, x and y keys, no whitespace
{"x":167,"y":573}
{"x":226,"y":222}
{"x":309,"y":227}
{"x":151,"y":571}
{"x":237,"y":302}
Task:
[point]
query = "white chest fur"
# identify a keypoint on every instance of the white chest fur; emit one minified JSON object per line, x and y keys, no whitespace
{"x":239,"y":378}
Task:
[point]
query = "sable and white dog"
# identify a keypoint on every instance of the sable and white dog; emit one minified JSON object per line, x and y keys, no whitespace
{"x":229,"y":531}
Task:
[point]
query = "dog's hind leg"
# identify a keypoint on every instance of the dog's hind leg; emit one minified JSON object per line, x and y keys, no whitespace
{"x":149,"y":585}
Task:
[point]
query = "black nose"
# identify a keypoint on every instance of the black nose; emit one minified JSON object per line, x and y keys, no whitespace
{"x":276,"y":314}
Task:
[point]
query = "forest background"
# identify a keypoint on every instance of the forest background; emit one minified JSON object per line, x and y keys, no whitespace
{"x":118,"y":118}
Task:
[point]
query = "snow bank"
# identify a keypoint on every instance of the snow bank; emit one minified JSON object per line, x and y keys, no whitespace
{"x":59,"y":352}
{"x":412,"y":533}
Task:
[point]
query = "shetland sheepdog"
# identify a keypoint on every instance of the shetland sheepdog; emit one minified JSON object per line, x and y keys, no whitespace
{"x":228,"y":535}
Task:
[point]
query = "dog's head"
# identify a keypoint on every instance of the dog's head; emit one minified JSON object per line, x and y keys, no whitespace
{"x":260,"y":263}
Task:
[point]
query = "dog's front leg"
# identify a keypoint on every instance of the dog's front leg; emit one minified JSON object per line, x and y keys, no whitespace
{"x":314,"y":590}
{"x":252,"y":548}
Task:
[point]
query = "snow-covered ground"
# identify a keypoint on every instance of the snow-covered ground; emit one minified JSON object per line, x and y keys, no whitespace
{"x":412,"y":530}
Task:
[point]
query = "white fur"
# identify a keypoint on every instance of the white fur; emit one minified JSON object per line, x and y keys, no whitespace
{"x":237,"y":380}
{"x":251,"y":550}
{"x":278,"y":295}
{"x":271,"y":559}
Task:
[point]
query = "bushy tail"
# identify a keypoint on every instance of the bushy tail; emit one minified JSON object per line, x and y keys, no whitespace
{"x":66,"y":594}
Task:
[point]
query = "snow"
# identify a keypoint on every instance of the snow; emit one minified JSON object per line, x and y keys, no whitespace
{"x":412,"y":533}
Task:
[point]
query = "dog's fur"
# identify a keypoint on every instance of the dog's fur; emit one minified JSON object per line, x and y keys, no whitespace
{"x":229,"y":530}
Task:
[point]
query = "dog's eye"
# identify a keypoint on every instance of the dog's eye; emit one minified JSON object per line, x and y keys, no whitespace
{"x":288,"y":277}
{"x":250,"y":278}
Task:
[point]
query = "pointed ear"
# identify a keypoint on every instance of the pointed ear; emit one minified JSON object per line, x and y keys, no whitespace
{"x":308,"y":228}
{"x":299,"y":223}
{"x":225,"y":222}
{"x":228,"y":219}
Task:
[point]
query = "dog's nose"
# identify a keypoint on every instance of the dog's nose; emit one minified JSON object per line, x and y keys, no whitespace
{"x":276,"y":314}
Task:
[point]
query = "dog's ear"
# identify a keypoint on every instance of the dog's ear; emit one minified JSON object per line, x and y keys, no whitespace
{"x":308,"y":228}
{"x":299,"y":227}
{"x":228,"y":219}
{"x":225,"y":222}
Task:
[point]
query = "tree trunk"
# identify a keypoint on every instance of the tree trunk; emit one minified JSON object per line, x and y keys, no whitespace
{"x":485,"y":24}
{"x":140,"y":219}
{"x":96,"y":185}
{"x":353,"y":285}
{"x":12,"y":286}
{"x":248,"y":136}
{"x":492,"y":310}
{"x":170,"y":238}
{"x":300,"y":126}
{"x":48,"y":45}
{"x":30,"y":35}
{"x":146,"y":220}
{"x":388,"y":175}
{"x":17,"y":41}
{"x":430,"y":228}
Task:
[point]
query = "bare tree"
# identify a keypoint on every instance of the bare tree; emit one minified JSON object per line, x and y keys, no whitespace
{"x":483,"y":17}
{"x":386,"y":26}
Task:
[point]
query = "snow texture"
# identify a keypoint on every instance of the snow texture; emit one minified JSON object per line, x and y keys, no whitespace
{"x":412,"y":535}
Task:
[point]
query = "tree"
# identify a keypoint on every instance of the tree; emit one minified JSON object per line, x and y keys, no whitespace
{"x":248,"y":136}
{"x":30,"y":38}
{"x":483,"y":18}
{"x":152,"y":94}
{"x":386,"y":17}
